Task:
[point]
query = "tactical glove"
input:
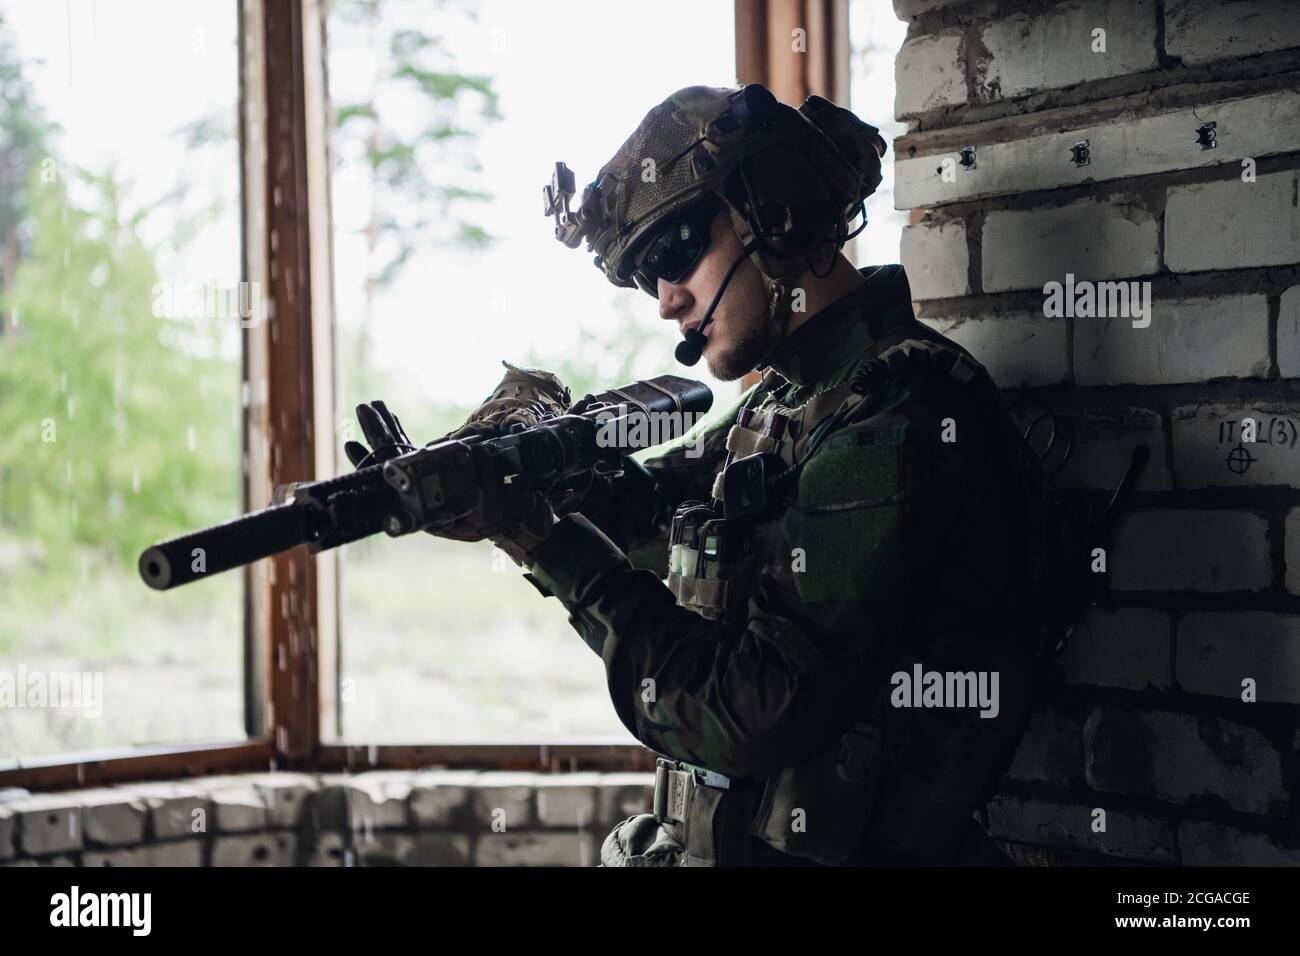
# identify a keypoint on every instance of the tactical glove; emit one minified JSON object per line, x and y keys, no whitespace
{"x":505,"y":514}
{"x":384,"y":432}
{"x":516,"y":523}
{"x":523,"y":398}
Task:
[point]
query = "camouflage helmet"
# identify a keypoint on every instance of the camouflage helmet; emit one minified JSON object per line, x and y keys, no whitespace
{"x":792,"y":178}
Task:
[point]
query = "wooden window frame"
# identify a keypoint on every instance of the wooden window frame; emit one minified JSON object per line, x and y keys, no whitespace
{"x":765,"y":32}
{"x":291,"y":602}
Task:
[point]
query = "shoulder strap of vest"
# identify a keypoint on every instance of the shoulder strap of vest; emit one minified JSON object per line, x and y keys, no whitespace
{"x":898,"y":366}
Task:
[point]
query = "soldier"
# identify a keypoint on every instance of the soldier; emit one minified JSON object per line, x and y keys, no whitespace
{"x":851,"y":556}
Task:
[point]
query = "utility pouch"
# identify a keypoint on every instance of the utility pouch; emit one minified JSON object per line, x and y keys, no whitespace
{"x":700,"y":558}
{"x":748,"y":488}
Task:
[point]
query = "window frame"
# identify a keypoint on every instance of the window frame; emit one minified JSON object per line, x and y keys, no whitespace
{"x":291,"y":602}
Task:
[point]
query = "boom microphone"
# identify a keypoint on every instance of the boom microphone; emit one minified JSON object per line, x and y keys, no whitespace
{"x":691,"y":347}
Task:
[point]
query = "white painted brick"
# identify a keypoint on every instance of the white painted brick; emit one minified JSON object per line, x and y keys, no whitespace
{"x":625,"y":794}
{"x":1232,"y":224}
{"x":174,"y":853}
{"x":1104,"y":441}
{"x":172,"y":808}
{"x":1190,"y":550}
{"x":171,"y":853}
{"x":407,"y":849}
{"x":537,"y":849}
{"x":1188,"y":340}
{"x":112,"y":816}
{"x":1208,"y":844}
{"x":1293,"y":551}
{"x":43,"y":861}
{"x":286,"y":795}
{"x":936,"y":259}
{"x":1021,"y":350}
{"x":329,"y":850}
{"x":1257,"y":126}
{"x":1288,"y":334}
{"x":238,"y":809}
{"x":214,"y":782}
{"x":1093,"y":239}
{"x":567,"y":800}
{"x":506,"y":791}
{"x":1054,"y":48}
{"x":1127,"y":835}
{"x":379,"y":848}
{"x":1126,"y":647}
{"x":8,"y":829}
{"x":440,"y":849}
{"x":377,"y":799}
{"x":1178,"y":757}
{"x":260,"y":849}
{"x":48,"y":823}
{"x":440,"y":798}
{"x":928,"y":73}
{"x":1217,"y":650}
{"x":1208,"y":451}
{"x":1202,"y":31}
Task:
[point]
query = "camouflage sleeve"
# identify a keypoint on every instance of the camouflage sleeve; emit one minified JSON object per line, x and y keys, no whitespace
{"x":634,"y":510}
{"x":736,"y":699}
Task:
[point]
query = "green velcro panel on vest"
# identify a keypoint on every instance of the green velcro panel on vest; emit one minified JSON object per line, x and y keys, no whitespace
{"x":848,"y":517}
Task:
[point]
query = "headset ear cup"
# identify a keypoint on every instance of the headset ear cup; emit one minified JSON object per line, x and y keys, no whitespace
{"x":857,"y":149}
{"x":796,"y":207}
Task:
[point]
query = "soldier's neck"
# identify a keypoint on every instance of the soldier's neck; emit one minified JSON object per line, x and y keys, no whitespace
{"x":819,"y":292}
{"x":809,"y":349}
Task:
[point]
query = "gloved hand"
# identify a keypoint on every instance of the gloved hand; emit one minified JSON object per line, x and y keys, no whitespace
{"x":515,"y":518}
{"x":523,"y":397}
{"x":515,"y":521}
{"x":383,"y":431}
{"x":503,"y":509}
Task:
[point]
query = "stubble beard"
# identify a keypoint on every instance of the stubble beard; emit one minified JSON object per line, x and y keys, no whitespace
{"x":730,"y":361}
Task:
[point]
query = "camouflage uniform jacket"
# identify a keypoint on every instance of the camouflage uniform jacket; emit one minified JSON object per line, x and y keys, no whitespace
{"x":904,"y":540}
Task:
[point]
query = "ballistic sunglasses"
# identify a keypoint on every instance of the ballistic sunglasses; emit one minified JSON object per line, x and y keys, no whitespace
{"x":676,"y":245}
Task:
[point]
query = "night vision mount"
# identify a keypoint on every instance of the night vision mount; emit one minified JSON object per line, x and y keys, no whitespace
{"x":572,"y":226}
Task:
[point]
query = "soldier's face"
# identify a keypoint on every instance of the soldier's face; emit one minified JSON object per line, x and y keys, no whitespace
{"x":738,"y":333}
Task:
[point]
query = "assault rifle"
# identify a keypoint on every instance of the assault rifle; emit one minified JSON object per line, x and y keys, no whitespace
{"x":432,"y":487}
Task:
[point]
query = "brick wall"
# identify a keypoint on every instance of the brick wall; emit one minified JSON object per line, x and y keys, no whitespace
{"x":1150,"y":725}
{"x":378,"y":818}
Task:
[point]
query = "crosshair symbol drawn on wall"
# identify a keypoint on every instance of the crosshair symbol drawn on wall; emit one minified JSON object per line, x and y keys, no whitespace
{"x":1239,"y":460}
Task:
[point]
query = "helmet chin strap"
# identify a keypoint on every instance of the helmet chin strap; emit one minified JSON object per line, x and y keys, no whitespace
{"x":780,"y":298}
{"x":780,"y":302}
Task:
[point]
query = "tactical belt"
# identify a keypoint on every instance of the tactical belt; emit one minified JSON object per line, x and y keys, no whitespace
{"x":673,"y":788}
{"x":707,"y":813}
